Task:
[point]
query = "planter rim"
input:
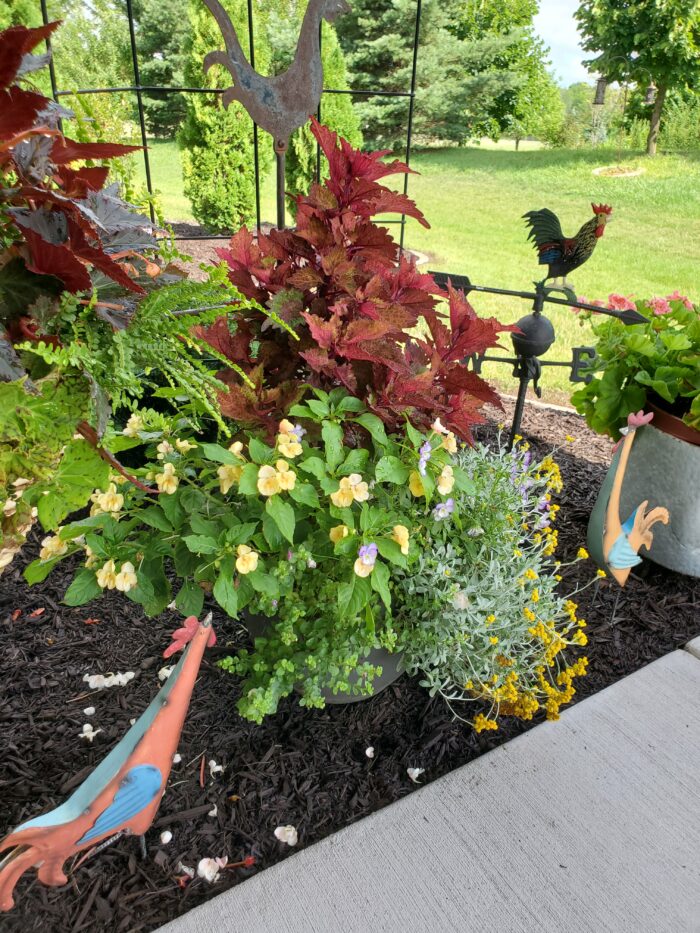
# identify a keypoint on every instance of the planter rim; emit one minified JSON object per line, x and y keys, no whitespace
{"x":670,"y":424}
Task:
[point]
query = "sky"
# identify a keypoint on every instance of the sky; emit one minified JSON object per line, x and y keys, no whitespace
{"x":555,"y":24}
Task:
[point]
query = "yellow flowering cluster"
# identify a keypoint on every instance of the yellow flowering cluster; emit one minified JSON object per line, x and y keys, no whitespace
{"x":558,"y":697}
{"x":246,"y":559}
{"x":274,"y":479}
{"x":109,"y":501}
{"x":352,"y":489}
{"x":108,"y":578}
{"x":288,"y":440}
{"x":52,"y":547}
{"x":549,"y":470}
{"x":230,"y":473}
{"x":167,"y":481}
{"x":483,"y":724}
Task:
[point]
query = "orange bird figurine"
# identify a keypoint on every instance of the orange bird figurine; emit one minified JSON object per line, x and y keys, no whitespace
{"x":123,"y":793}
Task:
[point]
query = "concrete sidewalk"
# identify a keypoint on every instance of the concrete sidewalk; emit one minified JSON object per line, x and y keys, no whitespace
{"x":587,"y":825}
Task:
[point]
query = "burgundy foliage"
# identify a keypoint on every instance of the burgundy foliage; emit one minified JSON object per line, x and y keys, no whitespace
{"x":367,"y":319}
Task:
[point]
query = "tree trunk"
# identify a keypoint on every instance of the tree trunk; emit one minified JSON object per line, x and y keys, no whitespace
{"x":517,"y":143}
{"x":655,"y":124}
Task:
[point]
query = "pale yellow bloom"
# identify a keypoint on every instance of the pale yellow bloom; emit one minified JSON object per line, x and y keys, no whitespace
{"x":338,"y":533}
{"x":286,"y":426}
{"x":237,"y":448}
{"x":167,"y":481}
{"x":450,"y":443}
{"x":415,"y":484}
{"x":400,"y":535}
{"x":439,"y":427}
{"x":343,"y":497}
{"x":106,"y":576}
{"x":91,"y":556}
{"x":446,"y":480}
{"x":184,"y":446}
{"x":286,"y":477}
{"x":247,"y":560}
{"x":288,"y":444}
{"x":360,"y":489}
{"x":133,"y":426}
{"x":363,"y":569}
{"x":228,"y":475}
{"x":268,"y":481}
{"x":110,"y":501}
{"x":126,"y":579}
{"x":52,"y":546}
{"x":164,"y":448}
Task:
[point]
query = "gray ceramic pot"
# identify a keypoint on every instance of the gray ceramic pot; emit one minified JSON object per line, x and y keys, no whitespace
{"x":390,"y":664}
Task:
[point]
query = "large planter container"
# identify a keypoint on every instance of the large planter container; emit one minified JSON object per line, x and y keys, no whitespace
{"x":665,"y":470}
{"x":390,"y":664}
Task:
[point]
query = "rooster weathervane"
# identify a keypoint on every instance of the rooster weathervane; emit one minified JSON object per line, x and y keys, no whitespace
{"x":280,"y":103}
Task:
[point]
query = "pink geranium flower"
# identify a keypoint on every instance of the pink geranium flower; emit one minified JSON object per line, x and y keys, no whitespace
{"x":660,"y":306}
{"x":639,"y":418}
{"x":676,"y":296}
{"x":183,"y":636}
{"x":621,"y":303}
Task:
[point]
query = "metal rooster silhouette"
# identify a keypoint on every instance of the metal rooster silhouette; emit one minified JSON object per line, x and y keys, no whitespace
{"x":281,"y":103}
{"x":122,"y":794}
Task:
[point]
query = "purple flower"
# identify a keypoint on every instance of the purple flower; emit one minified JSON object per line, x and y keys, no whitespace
{"x":290,"y":555}
{"x":298,"y":432}
{"x":543,"y":506}
{"x":443,"y":510}
{"x":425,"y":453}
{"x":527,"y":459}
{"x":368,"y":553}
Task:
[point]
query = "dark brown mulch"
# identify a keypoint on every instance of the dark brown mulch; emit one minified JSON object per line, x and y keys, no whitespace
{"x":305,"y":767}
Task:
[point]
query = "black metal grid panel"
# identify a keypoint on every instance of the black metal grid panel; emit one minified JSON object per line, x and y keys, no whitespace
{"x":138,"y":89}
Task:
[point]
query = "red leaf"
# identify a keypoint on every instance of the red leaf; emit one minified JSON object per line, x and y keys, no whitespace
{"x":67,"y":150}
{"x":100,"y":260}
{"x":18,"y":110}
{"x":47,"y":259}
{"x":77,"y":182}
{"x":15,"y":42}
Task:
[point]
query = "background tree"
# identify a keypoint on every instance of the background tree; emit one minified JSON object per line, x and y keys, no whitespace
{"x":640,"y":39}
{"x":538,"y":108}
{"x":161,"y":37}
{"x":20,"y":13}
{"x":217,"y":143}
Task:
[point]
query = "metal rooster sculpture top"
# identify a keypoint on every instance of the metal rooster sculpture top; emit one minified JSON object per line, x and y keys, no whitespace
{"x":123,"y":793}
{"x":564,"y":254}
{"x":280,"y":103}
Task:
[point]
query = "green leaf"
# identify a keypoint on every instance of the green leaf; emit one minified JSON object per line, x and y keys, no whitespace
{"x":192,"y":499}
{"x":415,"y":436}
{"x":204,"y":526}
{"x":350,"y":403}
{"x":315,"y":466}
{"x":272,"y":533}
{"x":282,"y":514}
{"x":185,"y":561}
{"x":391,"y":470}
{"x":353,"y":597}
{"x":355,"y":462}
{"x":76,"y":529}
{"x":240,"y":534}
{"x":219,"y":454}
{"x":301,"y":411}
{"x":319,"y":408}
{"x":259,"y":452}
{"x":391,"y":551}
{"x":264,"y":583}
{"x":375,"y":426}
{"x":39,"y":570}
{"x":305,"y":494}
{"x":380,"y":582}
{"x":462,"y":481}
{"x":333,"y":439}
{"x":79,"y":473}
{"x":201,"y":544}
{"x":224,"y":591}
{"x":248,"y":483}
{"x":173,"y":510}
{"x":154,"y":516}
{"x":190,"y":599}
{"x":83,"y":588}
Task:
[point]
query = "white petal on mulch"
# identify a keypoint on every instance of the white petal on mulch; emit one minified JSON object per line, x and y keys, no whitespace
{"x":415,"y":773}
{"x":185,"y":870}
{"x":210,"y":868}
{"x":103,"y":681}
{"x":164,"y":673}
{"x":89,"y":711}
{"x":166,"y":837}
{"x":369,"y":751}
{"x":214,"y":811}
{"x":88,"y":732}
{"x":177,"y":758}
{"x":287,"y":834}
{"x":214,"y":768}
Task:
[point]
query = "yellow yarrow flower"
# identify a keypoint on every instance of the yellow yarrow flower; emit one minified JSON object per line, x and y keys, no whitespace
{"x":601,"y":573}
{"x":400,"y":534}
{"x":415,"y":484}
{"x":228,"y":475}
{"x":582,"y":554}
{"x":481,"y":723}
{"x":338,"y":533}
{"x":494,"y":639}
{"x":247,"y":559}
{"x":167,"y":481}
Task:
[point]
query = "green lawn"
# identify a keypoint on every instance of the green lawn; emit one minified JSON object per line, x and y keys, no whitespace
{"x":474,"y":198}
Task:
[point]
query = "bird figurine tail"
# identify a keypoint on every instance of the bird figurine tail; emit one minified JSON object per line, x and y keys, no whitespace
{"x":124,"y":791}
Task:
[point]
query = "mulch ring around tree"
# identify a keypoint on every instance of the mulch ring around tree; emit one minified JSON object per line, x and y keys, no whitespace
{"x":302,"y":767}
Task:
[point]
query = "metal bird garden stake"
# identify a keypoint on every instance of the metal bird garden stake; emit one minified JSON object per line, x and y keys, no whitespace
{"x":123,"y":793}
{"x":281,"y":103}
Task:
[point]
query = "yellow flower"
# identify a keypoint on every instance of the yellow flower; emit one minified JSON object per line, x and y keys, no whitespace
{"x":167,"y":481}
{"x":530,"y":574}
{"x":481,"y":723}
{"x":237,"y":448}
{"x":400,"y":535}
{"x":184,"y":446}
{"x":569,"y":438}
{"x":133,"y":426}
{"x":106,"y":576}
{"x":529,"y":614}
{"x":288,"y":444}
{"x":228,"y":475}
{"x":362,"y":568}
{"x":494,"y":639}
{"x":286,"y":426}
{"x":268,"y":481}
{"x":490,"y":619}
{"x":415,"y":484}
{"x":286,"y":477}
{"x":164,"y":448}
{"x":352,"y":489}
{"x":445,"y":481}
{"x":110,"y":501}
{"x":360,"y":489}
{"x":601,"y":573}
{"x":517,"y":552}
{"x":52,"y":547}
{"x":449,"y":443}
{"x":535,"y":596}
{"x":126,"y":579}
{"x":247,"y":559}
{"x":582,"y":554}
{"x":579,"y":638}
{"x":91,"y":556}
{"x":338,"y":533}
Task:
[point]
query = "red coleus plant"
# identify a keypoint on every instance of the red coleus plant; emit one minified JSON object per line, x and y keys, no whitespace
{"x":59,"y":220}
{"x":365,"y":318}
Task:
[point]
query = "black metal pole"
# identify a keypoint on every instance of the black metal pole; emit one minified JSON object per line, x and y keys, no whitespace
{"x":524,"y":373}
{"x":139,"y":101}
{"x":280,"y":150}
{"x":256,"y":149}
{"x":52,"y":70}
{"x":411,"y":106}
{"x":318,"y":112}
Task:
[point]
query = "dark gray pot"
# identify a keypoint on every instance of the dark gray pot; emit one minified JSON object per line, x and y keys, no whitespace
{"x":390,"y":664}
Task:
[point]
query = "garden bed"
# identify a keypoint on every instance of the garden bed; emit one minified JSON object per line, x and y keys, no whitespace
{"x":302,"y":767}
